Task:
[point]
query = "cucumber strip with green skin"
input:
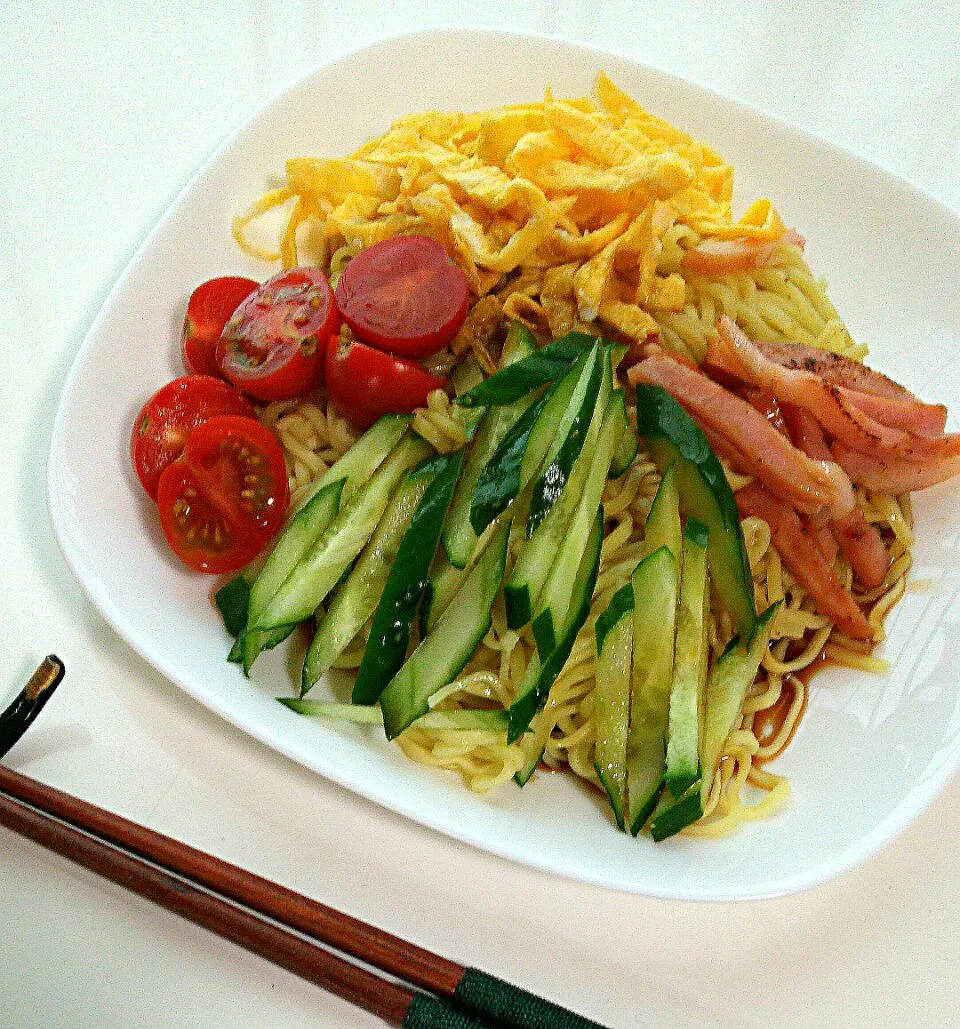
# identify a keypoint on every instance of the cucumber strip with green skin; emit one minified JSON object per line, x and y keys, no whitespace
{"x":532,"y":567}
{"x":732,"y":675}
{"x":351,"y":470}
{"x":534,"y":742}
{"x":300,"y":535}
{"x":302,"y":532}
{"x":625,"y":453}
{"x":441,"y":656}
{"x":443,"y":584}
{"x":402,"y":592}
{"x":261,"y":640}
{"x":538,"y":367}
{"x":568,"y":439}
{"x":672,"y":815}
{"x":460,"y":719}
{"x":614,"y":632}
{"x":685,"y":721}
{"x":322,"y":566}
{"x":672,"y":437}
{"x":359,"y":463}
{"x":655,"y":585}
{"x":540,"y":676}
{"x":663,"y":527}
{"x":459,"y":535}
{"x":520,"y":454}
{"x":357,"y":598}
{"x":500,"y":480}
{"x":464,"y":377}
{"x":554,"y":599}
{"x":233,"y":602}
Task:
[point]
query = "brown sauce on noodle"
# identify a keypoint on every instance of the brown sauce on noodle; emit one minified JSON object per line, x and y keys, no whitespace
{"x":768,"y":723}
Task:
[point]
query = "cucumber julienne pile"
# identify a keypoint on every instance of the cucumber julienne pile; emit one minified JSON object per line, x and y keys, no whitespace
{"x":413,"y":549}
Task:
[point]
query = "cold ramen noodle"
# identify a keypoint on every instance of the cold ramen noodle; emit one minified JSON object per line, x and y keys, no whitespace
{"x":658,"y":488}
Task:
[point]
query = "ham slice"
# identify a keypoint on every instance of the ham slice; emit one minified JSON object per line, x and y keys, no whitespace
{"x":892,"y":474}
{"x":828,"y":402}
{"x":912,"y":415}
{"x":842,"y":371}
{"x":799,"y":552}
{"x":861,"y":542}
{"x":717,"y":257}
{"x":739,"y":429}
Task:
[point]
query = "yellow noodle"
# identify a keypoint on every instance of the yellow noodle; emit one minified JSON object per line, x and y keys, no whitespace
{"x":539,"y":257}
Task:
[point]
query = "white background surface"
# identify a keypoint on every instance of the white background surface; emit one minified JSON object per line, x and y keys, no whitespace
{"x":107,"y":111}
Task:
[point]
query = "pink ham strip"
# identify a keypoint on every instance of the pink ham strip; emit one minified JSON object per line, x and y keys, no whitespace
{"x":800,"y":553}
{"x":860,"y":541}
{"x":892,"y":474}
{"x":911,"y":415}
{"x":759,"y":449}
{"x":736,"y":354}
{"x":842,"y":371}
{"x":728,"y":256}
{"x":870,"y":391}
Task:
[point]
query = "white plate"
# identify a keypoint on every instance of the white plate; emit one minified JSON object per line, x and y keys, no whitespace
{"x":871,"y":752}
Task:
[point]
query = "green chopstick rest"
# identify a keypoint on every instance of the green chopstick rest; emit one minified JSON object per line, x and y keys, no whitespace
{"x":511,"y":1007}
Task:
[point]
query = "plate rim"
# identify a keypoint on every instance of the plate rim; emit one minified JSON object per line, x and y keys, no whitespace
{"x":843,"y":860}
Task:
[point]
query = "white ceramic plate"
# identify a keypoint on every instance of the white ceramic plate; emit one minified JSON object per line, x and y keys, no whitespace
{"x":871,"y":752}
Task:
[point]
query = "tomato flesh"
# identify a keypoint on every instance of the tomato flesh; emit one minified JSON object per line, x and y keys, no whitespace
{"x":404,"y":295}
{"x":225,"y":498}
{"x":366,"y":383}
{"x":273,"y":347}
{"x":209,"y":309}
{"x":168,"y":418}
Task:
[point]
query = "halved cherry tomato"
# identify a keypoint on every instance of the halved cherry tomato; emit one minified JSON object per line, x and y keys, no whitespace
{"x":273,"y":346}
{"x":171,"y":414}
{"x":404,"y":295}
{"x":366,"y":383}
{"x":225,"y":498}
{"x":208,"y":311}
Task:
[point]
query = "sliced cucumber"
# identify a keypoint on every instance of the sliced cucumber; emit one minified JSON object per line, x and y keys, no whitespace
{"x":532,"y":567}
{"x":501,"y":478}
{"x":396,"y":610}
{"x":655,"y":585}
{"x":534,"y":742}
{"x":535,"y":369}
{"x":732,"y":675}
{"x":625,"y":453}
{"x":730,"y":679}
{"x":614,"y":630}
{"x":672,"y":814}
{"x":302,"y":533}
{"x":445,"y":580}
{"x":233,"y":602}
{"x":459,"y":536}
{"x":663,"y":528}
{"x":339,"y":544}
{"x":363,"y":458}
{"x":568,"y":438}
{"x":441,"y":656}
{"x":689,"y":663}
{"x":540,"y":676}
{"x":553,"y":602}
{"x":357,"y":598}
{"x":672,"y":437}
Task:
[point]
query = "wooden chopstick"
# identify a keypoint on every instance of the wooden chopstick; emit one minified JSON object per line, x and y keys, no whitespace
{"x":275,"y":922}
